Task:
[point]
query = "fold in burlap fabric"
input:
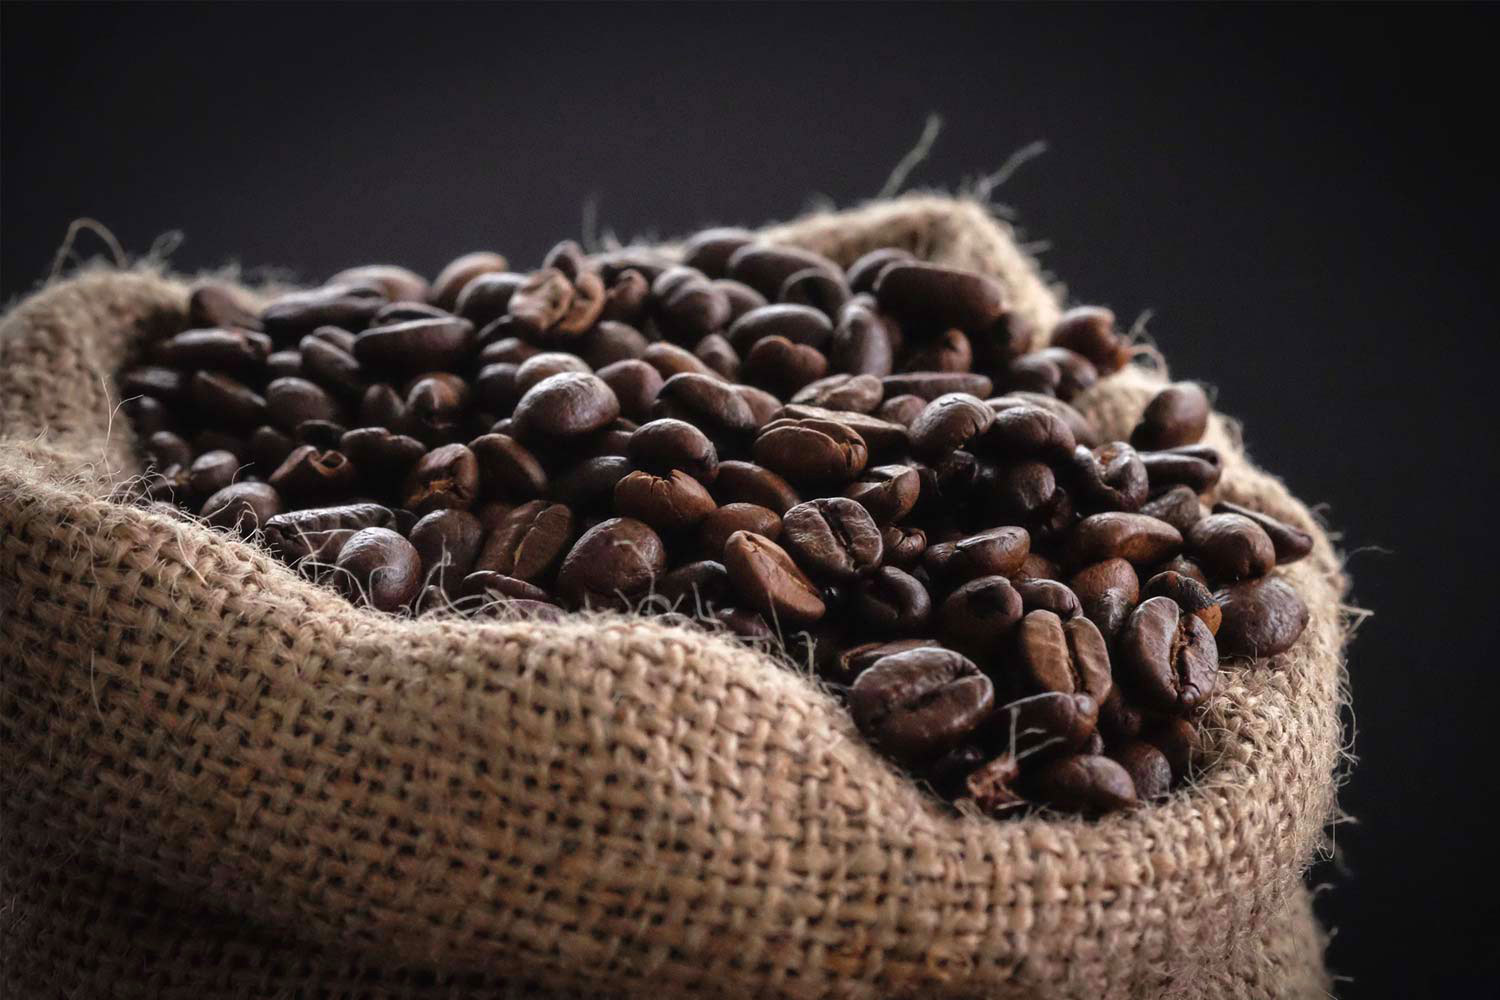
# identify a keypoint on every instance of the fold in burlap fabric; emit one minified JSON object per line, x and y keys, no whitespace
{"x":223,"y":781}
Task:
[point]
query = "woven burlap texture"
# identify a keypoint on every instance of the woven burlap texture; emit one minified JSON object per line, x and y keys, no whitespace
{"x":226,"y":781}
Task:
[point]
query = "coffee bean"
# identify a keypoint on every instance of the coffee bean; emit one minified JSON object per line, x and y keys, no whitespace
{"x":1069,"y":657}
{"x":544,"y":364}
{"x":1177,"y":739}
{"x":709,"y":251}
{"x":234,"y":350}
{"x":1141,"y":540}
{"x":706,"y":402}
{"x":931,"y":297}
{"x":442,"y":344}
{"x":1024,"y":493}
{"x":448,"y":543}
{"x":613,"y":563}
{"x":320,"y":533}
{"x":1090,"y":331}
{"x":695,"y":588}
{"x":1231,"y":547}
{"x":992,"y":786}
{"x":1194,"y":466}
{"x":219,"y":305}
{"x":670,"y":503}
{"x":232,"y":402}
{"x":811,"y":450}
{"x":780,"y":366}
{"x":380,"y":568}
{"x":242,"y":507}
{"x":1184,"y":566}
{"x":1086,"y":783}
{"x":1149,"y":770}
{"x":948,"y":422}
{"x":446,"y":477}
{"x":613,"y":264}
{"x":714,"y":532}
{"x":855,"y":660}
{"x":1038,"y":567}
{"x":996,"y":552}
{"x":1177,"y":415}
{"x":918,"y":704}
{"x":801,"y":325}
{"x":949,"y":352}
{"x":507,"y":469}
{"x":881,"y":437}
{"x":1178,"y":506}
{"x":764,"y":407}
{"x":688,"y":307}
{"x":1168,"y":658}
{"x":1048,"y":595}
{"x":1262,"y":617}
{"x":1290,"y":543}
{"x":1108,"y":592}
{"x":635,"y":384}
{"x":746,"y":482}
{"x":855,"y":393}
{"x":892,"y":601}
{"x":902,"y":410}
{"x":888,"y":492}
{"x":859,"y":344}
{"x":168,"y":448}
{"x":822,"y":289}
{"x":864,"y":272}
{"x":834,"y":538}
{"x":312,"y":476}
{"x":931,"y":385}
{"x":435,"y":407}
{"x":379,"y":455}
{"x":455,"y":277}
{"x":664,"y":445}
{"x":1046,"y":723}
{"x":1191,"y":596}
{"x":349,"y":307}
{"x":1110,"y":477}
{"x":904,"y":545}
{"x":768,"y":580}
{"x":566,"y":405}
{"x":979,"y":616}
{"x":765,"y":268}
{"x":491,"y":586}
{"x":719,"y":355}
{"x":527,"y":542}
{"x":212,"y":471}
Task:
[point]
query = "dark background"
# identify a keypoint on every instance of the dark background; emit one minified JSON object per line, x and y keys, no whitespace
{"x":1301,"y":195}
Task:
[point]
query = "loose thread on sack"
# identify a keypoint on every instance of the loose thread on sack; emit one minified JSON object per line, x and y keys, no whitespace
{"x":913,"y":158}
{"x":99,"y":229}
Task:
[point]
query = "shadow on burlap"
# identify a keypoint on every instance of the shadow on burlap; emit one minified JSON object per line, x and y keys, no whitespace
{"x":224,"y":781}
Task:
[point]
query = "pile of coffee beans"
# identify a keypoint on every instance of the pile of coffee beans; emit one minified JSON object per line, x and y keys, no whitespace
{"x":861,"y":468}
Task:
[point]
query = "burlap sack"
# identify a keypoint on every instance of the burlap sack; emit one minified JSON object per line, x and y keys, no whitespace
{"x":223,"y":781}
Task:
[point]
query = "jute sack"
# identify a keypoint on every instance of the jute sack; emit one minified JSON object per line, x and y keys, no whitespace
{"x":223,"y":781}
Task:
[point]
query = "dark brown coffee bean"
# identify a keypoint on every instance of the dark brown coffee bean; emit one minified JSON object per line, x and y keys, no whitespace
{"x":322,"y":434}
{"x":1049,"y":722}
{"x":1028,"y":432}
{"x":1108,"y":478}
{"x":919,"y":704}
{"x":1195,"y":466}
{"x":1023,"y":493}
{"x":611,"y":264}
{"x":719,"y":355}
{"x":742,"y":298}
{"x":612,"y":564}
{"x":349,"y":307}
{"x":508,"y":590}
{"x":635,"y":384}
{"x":448,"y":543}
{"x":1167,"y":658}
{"x":382,"y":406}
{"x":859,"y":344}
{"x":1070,"y":657}
{"x":901,"y":410}
{"x":1262,"y":617}
{"x":589,"y":486}
{"x":765,"y":268}
{"x":566,"y":405}
{"x":212,"y":471}
{"x":527,"y":542}
{"x":546,"y":364}
{"x":695,"y":588}
{"x":487,"y":297}
{"x":764,"y":407}
{"x":1177,"y":415}
{"x":1090,"y":331}
{"x":996,"y":552}
{"x":164,"y":384}
{"x":320,"y":533}
{"x":818,"y":287}
{"x":609,"y":342}
{"x":455,"y":277}
{"x":769,"y":581}
{"x":542,"y":300}
{"x":218,"y":305}
{"x":992,"y":786}
{"x":507,"y":469}
{"x":714,"y":532}
{"x":746,"y":482}
{"x":147,"y":415}
{"x":855,"y":393}
{"x":445,"y":478}
{"x":948,"y":422}
{"x":232,"y":403}
{"x":888,"y":492}
{"x":883,"y":438}
{"x":400,"y":312}
{"x":435,"y":407}
{"x":904,"y":545}
{"x":166,"y":448}
{"x":1291,"y":543}
{"x":1075,"y":373}
{"x":234,"y":350}
{"x":380,"y":455}
{"x":777,"y":364}
{"x":1191,"y":596}
{"x":799,"y":324}
{"x":398,"y":284}
{"x":312,"y":476}
{"x":1038,"y":567}
{"x":1084,"y":432}
{"x":1085,"y":783}
{"x":855,"y":660}
{"x":931,"y":385}
{"x":1177,"y":739}
{"x":380,"y":568}
{"x":979,"y":616}
{"x":669,"y":503}
{"x":242,"y":507}
{"x":705,"y":401}
{"x":710,"y":250}
{"x":1108,"y":592}
{"x":269,"y":447}
{"x":931,"y":297}
{"x":1231,"y":547}
{"x":432,"y":344}
{"x":661,"y":446}
{"x":811,"y":451}
{"x":892,"y":601}
{"x":1141,"y":540}
{"x":834,"y":538}
{"x":332,"y":367}
{"x":686,"y":305}
{"x":1149,"y":770}
{"x":865,"y":271}
{"x":625,"y":299}
{"x":949,"y":352}
{"x":1178,"y":506}
{"x":290,"y":401}
{"x":584,"y":307}
{"x":1048,"y":595}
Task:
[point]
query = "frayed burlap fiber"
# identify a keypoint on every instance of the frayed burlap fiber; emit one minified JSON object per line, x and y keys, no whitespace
{"x":221,"y":780}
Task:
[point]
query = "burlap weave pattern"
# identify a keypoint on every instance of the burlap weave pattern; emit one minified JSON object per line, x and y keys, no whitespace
{"x":226,"y":763}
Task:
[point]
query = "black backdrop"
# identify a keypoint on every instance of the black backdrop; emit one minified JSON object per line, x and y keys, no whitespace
{"x":1299,"y":194}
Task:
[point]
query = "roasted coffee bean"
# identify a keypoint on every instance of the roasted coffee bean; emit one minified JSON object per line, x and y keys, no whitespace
{"x":1149,"y":770}
{"x":311,"y":476}
{"x":746,"y":482}
{"x":242,"y":507}
{"x":768,"y":580}
{"x":687,"y":306}
{"x":625,"y":298}
{"x":1048,"y":595}
{"x":921,"y":703}
{"x":1177,"y":739}
{"x":527,"y":542}
{"x":719,"y":355}
{"x":234,"y":350}
{"x":1090,"y":331}
{"x":948,"y":422}
{"x":931,"y":385}
{"x":147,"y":415}
{"x":904,"y":545}
{"x":950,"y":352}
{"x":669,"y":503}
{"x":855,"y":660}
{"x":1108,"y":592}
{"x":219,"y":305}
{"x":1038,"y":567}
{"x":399,"y":312}
{"x":1075,"y":373}
{"x":1191,"y":596}
{"x":817,"y":287}
{"x":163,"y":384}
{"x":811,"y":450}
{"x":854,"y":393}
{"x":232,"y":402}
{"x":635,"y":384}
{"x":612,"y":564}
{"x":834,"y":538}
{"x":1048,"y":723}
{"x":566,"y":405}
{"x":589,"y":486}
{"x":212,"y":471}
{"x":742,"y":298}
{"x":930,"y":297}
{"x":1083,"y":429}
{"x":445,"y":478}
{"x":614,"y":263}
{"x":319,"y":534}
{"x":290,"y":401}
{"x":382,"y":406}
{"x":584,"y":308}
{"x":546,"y":364}
{"x":695,"y":588}
{"x":1186,"y":567}
{"x":398,"y":284}
{"x":882,"y":438}
{"x":1141,"y":540}
{"x":902,"y":410}
{"x":507,"y":469}
{"x":448,"y":543}
{"x":432,"y":344}
{"x":1194,"y":466}
{"x":380,"y":568}
{"x":714,"y":532}
{"x":323,"y":434}
{"x":992,"y":786}
{"x":660,"y":446}
{"x":1262,"y":617}
{"x":348,"y":307}
{"x":1230,"y":547}
{"x":865,"y":271}
{"x":487,"y":297}
{"x":542,"y":300}
{"x":166,"y":448}
{"x":979,"y":616}
{"x":380,"y":456}
{"x":859,"y":344}
{"x":765,"y":268}
{"x":1177,"y":415}
{"x":1069,"y":657}
{"x":1178,"y":506}
{"x":996,"y":552}
{"x":670,"y":359}
{"x":888,"y":492}
{"x":709,"y":251}
{"x":1085,"y":783}
{"x":454,"y":278}
{"x":705,"y":401}
{"x":892,"y":601}
{"x":435,"y":407}
{"x":491,"y":586}
{"x":1111,"y":477}
{"x":332,"y":367}
{"x":269,"y":447}
{"x":1290,"y":543}
{"x":1028,"y":432}
{"x":1168,"y":658}
{"x":801,"y":325}
{"x":780,"y":366}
